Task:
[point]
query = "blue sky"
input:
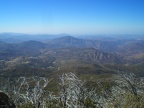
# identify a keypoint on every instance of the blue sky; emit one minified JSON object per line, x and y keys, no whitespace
{"x":72,"y":16}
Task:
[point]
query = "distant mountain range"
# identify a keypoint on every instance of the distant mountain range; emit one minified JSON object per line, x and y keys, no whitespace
{"x":126,"y":48}
{"x":19,"y":37}
{"x":69,"y":41}
{"x":69,"y":53}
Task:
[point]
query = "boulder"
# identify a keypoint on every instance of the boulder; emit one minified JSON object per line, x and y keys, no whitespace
{"x":5,"y":101}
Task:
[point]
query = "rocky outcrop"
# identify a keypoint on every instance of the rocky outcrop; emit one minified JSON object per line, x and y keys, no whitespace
{"x":5,"y":101}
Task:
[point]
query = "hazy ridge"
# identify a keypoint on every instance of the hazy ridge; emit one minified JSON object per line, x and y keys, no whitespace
{"x":68,"y":53}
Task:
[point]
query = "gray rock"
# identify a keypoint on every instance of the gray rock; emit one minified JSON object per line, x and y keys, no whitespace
{"x":5,"y":101}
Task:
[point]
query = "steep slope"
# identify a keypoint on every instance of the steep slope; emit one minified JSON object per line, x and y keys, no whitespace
{"x":133,"y":51}
{"x":90,"y":55}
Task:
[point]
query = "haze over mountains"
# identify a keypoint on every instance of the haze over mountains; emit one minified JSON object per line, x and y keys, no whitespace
{"x":60,"y":53}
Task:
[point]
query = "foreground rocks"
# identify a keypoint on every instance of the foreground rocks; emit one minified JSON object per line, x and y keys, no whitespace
{"x":5,"y":101}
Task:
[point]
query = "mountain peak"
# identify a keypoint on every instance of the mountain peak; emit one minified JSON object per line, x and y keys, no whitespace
{"x":67,"y":37}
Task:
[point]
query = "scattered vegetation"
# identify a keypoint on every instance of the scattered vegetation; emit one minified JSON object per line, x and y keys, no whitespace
{"x":126,"y":91}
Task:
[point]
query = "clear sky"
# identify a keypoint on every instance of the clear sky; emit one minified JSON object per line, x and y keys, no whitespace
{"x":72,"y":16}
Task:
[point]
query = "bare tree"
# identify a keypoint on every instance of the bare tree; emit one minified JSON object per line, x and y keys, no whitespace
{"x":72,"y":91}
{"x":29,"y":91}
{"x":129,"y":91}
